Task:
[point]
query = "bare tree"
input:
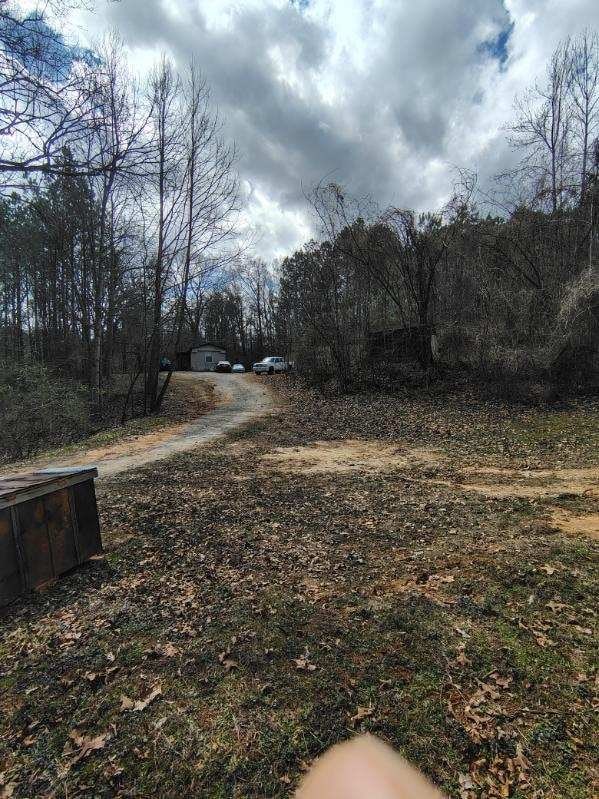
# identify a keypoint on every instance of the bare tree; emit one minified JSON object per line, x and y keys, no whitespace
{"x":584,"y":92}
{"x":319,"y":299}
{"x":167,"y":178}
{"x":47,"y":99}
{"x":541,"y":130}
{"x":402,"y":252}
{"x":116,"y":149}
{"x":211,"y":196}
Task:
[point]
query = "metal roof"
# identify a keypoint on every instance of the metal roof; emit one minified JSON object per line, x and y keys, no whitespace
{"x":208,"y":346}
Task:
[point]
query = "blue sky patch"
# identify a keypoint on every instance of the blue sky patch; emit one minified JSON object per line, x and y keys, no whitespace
{"x":40,"y":48}
{"x":498,"y":47}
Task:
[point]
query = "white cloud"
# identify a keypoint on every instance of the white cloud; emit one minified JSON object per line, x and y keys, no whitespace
{"x":386,"y":96}
{"x":274,"y":229}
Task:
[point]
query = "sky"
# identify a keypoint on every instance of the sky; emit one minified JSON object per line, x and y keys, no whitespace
{"x":385,"y":97}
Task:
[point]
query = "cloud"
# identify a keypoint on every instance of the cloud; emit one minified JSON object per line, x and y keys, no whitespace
{"x":384,"y":96}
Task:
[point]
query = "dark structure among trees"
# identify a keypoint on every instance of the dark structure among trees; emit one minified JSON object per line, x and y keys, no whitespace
{"x":401,"y":345}
{"x":508,"y":297}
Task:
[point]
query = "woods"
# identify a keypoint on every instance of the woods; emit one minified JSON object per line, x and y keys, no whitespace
{"x":511,"y":298}
{"x":504,"y":282}
{"x":124,"y":208}
{"x":120,"y":241}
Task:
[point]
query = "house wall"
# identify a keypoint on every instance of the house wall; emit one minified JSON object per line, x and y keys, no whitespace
{"x":205,"y":360}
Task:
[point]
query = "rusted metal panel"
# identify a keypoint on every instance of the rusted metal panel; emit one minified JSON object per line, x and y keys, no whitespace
{"x":60,"y":530}
{"x":35,"y":542}
{"x":48,"y":525}
{"x":86,"y":512}
{"x":11,"y":583}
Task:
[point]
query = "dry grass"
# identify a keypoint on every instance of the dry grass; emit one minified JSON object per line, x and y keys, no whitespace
{"x":279,"y":612}
{"x":347,"y":455}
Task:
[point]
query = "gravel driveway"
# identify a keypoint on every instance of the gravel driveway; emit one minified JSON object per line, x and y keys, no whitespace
{"x":242,"y":398}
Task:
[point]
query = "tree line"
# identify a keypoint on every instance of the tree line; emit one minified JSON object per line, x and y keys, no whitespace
{"x":118,"y":207}
{"x":119,"y":239}
{"x":502,"y":282}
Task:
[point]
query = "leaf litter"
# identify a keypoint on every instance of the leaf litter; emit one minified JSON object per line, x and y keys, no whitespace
{"x":244,"y":618}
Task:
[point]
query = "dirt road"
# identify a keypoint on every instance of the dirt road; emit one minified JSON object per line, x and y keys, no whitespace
{"x":242,"y":398}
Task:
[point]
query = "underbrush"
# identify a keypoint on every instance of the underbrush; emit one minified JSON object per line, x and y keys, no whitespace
{"x":38,"y":409}
{"x":43,"y":411}
{"x":494,"y":385}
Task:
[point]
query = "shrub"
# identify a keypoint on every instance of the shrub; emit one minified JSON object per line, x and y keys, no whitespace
{"x":38,"y":409}
{"x":574,"y":351}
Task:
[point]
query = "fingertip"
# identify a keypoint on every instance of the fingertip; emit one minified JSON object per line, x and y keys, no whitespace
{"x":364,"y":768}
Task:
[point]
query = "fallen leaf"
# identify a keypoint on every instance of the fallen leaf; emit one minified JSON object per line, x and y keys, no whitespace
{"x":502,"y":682}
{"x":112,"y":771}
{"x":467,"y":786}
{"x":128,"y":704}
{"x":226,"y":662}
{"x":87,"y":744}
{"x":92,"y":744}
{"x":361,"y":713}
{"x":167,"y":650}
{"x":543,"y":641}
{"x":555,"y":606}
{"x":302,"y":664}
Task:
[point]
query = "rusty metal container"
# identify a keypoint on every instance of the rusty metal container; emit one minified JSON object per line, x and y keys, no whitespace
{"x":48,"y":525}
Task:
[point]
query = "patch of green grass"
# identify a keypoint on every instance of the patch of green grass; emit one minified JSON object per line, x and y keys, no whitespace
{"x":557,"y":770}
{"x":132,"y":653}
{"x":546,"y":430}
{"x":528,"y":660}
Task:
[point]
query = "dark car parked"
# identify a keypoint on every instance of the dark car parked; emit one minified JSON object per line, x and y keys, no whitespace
{"x":223,"y":366}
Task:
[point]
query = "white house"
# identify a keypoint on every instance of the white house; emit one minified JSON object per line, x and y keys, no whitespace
{"x":205,"y":357}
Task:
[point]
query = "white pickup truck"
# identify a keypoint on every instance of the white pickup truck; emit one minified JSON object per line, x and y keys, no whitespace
{"x":270,"y":365}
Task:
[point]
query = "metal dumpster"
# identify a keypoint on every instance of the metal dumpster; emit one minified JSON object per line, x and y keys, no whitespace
{"x":48,"y":524}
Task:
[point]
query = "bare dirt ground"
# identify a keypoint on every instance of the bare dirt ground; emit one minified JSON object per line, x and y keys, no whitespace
{"x":369,"y":457}
{"x":239,"y":399}
{"x":322,"y":572}
{"x":345,"y":456}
